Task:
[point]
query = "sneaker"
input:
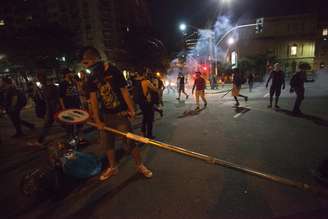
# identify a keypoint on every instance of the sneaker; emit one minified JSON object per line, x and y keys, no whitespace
{"x":205,"y":105}
{"x":237,"y":104}
{"x":276,"y":106}
{"x":187,"y":97}
{"x":246,"y":99}
{"x":270,"y":106}
{"x":197,"y":108}
{"x":144,"y":171}
{"x":109,"y":172}
{"x":178,"y":98}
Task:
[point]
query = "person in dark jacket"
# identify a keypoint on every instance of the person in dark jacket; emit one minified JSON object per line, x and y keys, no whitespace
{"x":297,"y":85}
{"x":14,"y":100}
{"x":278,"y":81}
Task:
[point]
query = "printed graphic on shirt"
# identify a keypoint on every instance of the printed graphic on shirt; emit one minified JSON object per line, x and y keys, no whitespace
{"x":108,"y":96}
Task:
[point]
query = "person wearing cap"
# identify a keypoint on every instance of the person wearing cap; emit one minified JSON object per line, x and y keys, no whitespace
{"x":200,"y":85}
{"x":278,"y":81}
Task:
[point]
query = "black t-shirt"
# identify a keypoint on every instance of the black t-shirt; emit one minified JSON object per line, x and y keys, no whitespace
{"x":107,"y":84}
{"x":69,"y":92}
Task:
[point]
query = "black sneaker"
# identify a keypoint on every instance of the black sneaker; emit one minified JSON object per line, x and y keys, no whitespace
{"x":187,"y":97}
{"x":277,"y":107}
{"x":205,"y":105}
{"x":246,"y":99}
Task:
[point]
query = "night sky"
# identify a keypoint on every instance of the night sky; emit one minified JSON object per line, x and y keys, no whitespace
{"x":167,"y":14}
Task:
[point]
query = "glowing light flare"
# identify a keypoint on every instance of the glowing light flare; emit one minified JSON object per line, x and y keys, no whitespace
{"x":38,"y":84}
{"x":183,"y":27}
{"x":158,"y":74}
{"x":231,"y":41}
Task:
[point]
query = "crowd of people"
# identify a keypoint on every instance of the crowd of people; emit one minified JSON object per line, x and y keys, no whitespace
{"x":111,"y":100}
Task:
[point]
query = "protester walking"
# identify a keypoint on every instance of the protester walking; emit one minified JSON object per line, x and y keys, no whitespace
{"x":50,"y":95}
{"x":200,"y":85}
{"x":144,"y":91}
{"x":236,"y":86}
{"x":297,"y":86}
{"x":250,"y":80}
{"x":278,"y":81}
{"x":181,"y":86}
{"x":108,"y":83}
{"x":13,"y":101}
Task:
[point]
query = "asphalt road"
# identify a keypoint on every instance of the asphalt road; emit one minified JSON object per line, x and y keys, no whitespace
{"x":253,"y":136}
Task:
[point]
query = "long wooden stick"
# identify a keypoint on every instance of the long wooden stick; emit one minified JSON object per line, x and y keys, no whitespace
{"x":216,"y":161}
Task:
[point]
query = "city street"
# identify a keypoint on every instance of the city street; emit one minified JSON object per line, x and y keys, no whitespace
{"x":253,"y":136}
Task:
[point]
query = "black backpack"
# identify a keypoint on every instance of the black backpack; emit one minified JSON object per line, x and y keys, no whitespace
{"x":138,"y":95}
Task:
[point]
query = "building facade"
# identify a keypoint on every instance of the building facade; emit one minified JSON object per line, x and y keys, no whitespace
{"x":290,"y":39}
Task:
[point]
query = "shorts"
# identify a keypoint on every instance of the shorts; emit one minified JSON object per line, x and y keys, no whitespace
{"x":118,"y":122}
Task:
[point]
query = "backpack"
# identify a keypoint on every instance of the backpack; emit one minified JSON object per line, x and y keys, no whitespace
{"x":138,"y":95}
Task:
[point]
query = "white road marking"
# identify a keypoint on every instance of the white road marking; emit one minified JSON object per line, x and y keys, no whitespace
{"x":237,"y":115}
{"x":266,"y":95}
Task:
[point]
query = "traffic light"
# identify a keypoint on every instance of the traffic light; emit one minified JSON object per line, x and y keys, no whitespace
{"x":259,"y":25}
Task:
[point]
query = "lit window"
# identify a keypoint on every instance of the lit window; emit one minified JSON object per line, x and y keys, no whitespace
{"x":293,"y":50}
{"x":325,"y":32}
{"x":2,"y":23}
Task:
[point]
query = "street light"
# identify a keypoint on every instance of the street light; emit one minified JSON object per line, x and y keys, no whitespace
{"x":231,"y":41}
{"x":183,"y":27}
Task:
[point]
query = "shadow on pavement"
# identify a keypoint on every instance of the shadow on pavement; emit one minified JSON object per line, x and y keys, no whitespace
{"x":191,"y":113}
{"x":317,"y":120}
{"x":241,"y":110}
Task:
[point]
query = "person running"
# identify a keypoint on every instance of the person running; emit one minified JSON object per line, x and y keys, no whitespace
{"x":108,"y":83}
{"x":181,"y":86}
{"x":143,"y":88}
{"x":14,"y":100}
{"x":200,"y":85}
{"x":250,"y":81}
{"x":278,"y":81}
{"x":236,"y":86}
{"x":297,"y":85}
